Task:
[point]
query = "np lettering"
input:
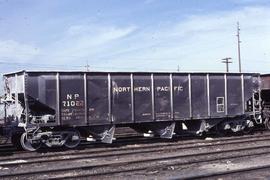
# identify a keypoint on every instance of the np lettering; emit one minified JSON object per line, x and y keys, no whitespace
{"x":73,"y":101}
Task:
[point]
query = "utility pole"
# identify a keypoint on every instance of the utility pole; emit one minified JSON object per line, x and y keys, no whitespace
{"x":178,"y":68}
{"x":238,"y":45}
{"x":87,"y":66}
{"x":227,"y":62}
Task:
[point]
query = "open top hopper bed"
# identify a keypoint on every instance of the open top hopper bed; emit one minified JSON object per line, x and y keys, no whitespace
{"x":56,"y":108}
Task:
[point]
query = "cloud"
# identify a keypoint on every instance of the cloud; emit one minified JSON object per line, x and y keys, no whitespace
{"x":199,"y":43}
{"x":84,"y":41}
{"x":11,"y":49}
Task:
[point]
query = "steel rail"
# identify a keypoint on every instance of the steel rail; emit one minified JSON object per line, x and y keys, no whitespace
{"x":157,"y":145}
{"x":139,"y":163}
{"x":228,"y":172}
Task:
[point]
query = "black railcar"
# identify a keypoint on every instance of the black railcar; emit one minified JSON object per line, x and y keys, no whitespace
{"x":265,"y":99}
{"x":57,"y":108}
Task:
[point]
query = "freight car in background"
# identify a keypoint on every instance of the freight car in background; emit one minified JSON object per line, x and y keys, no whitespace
{"x":265,"y":98}
{"x":58,"y":108}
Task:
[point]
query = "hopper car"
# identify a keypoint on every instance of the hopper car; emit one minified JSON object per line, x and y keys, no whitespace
{"x":59,"y":108}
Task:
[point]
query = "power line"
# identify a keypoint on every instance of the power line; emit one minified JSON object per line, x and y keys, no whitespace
{"x":227,"y":62}
{"x":117,"y":68}
{"x":26,"y":65}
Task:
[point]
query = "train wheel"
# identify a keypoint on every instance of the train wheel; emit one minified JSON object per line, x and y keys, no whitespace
{"x":73,"y":139}
{"x":267,"y":123}
{"x":27,"y":145}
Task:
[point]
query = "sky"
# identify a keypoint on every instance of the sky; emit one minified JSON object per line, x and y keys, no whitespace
{"x":141,"y":35}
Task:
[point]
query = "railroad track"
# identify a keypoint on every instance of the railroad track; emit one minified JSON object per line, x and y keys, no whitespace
{"x":124,"y":158}
{"x":124,"y":137}
{"x":227,"y":172}
{"x":134,"y":143}
{"x":117,"y":152}
{"x":151,"y":166}
{"x":8,"y":148}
